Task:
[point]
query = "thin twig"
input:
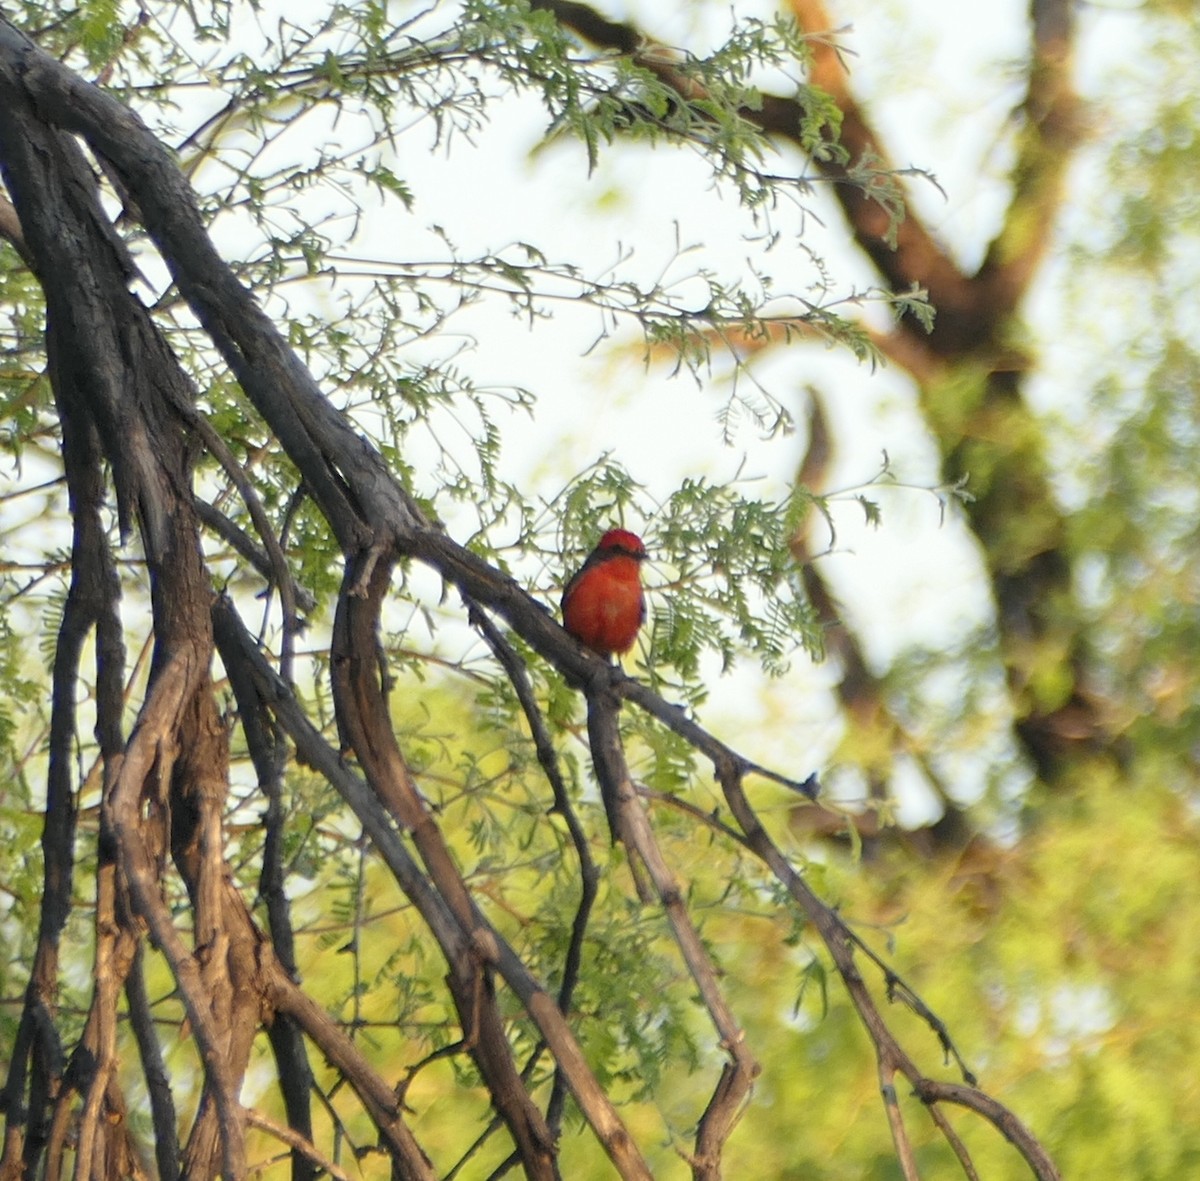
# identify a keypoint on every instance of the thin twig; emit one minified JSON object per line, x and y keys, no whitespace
{"x":296,"y":1142}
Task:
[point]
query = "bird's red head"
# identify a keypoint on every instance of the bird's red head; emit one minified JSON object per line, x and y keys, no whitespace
{"x":623,"y":541}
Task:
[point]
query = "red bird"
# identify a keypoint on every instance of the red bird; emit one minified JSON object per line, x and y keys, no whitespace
{"x":603,"y":606}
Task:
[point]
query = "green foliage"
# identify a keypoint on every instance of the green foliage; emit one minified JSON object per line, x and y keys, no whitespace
{"x":1132,"y":469}
{"x":722,"y":579}
{"x":1062,"y":962}
{"x":1077,"y":937}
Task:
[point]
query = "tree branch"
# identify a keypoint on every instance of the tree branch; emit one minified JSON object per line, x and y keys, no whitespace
{"x":149,"y":755}
{"x":589,"y":873}
{"x":629,"y":820}
{"x":409,"y":1160}
{"x":374,"y":519}
{"x":312,"y":749}
{"x":154,"y":1071}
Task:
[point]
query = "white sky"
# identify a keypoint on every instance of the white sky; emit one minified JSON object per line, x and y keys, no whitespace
{"x":914,"y":580}
{"x":939,"y":82}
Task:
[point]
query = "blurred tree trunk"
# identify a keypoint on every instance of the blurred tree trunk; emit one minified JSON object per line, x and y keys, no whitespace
{"x":970,"y":378}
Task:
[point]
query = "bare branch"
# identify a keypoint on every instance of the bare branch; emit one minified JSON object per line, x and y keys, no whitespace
{"x":312,"y":749}
{"x":589,"y":873}
{"x":379,"y":1099}
{"x":934,"y":1091}
{"x":298,"y":1143}
{"x":895,"y":1118}
{"x":630,"y":822}
{"x":162,"y":1104}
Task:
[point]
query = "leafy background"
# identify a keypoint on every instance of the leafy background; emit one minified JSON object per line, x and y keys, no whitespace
{"x":1052,"y":934}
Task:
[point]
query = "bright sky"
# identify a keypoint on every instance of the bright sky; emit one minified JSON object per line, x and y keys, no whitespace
{"x":919,"y":67}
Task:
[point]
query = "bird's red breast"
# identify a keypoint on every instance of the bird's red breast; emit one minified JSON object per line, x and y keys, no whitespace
{"x":603,"y":605}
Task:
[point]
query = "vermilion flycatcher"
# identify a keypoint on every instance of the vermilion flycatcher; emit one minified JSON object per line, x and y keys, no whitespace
{"x":603,"y":605}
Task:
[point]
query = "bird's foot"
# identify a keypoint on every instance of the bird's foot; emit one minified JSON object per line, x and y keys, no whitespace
{"x":617,"y":675}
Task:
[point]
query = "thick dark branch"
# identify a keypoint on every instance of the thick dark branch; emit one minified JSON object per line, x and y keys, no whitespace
{"x":154,"y":1070}
{"x":589,"y":873}
{"x":318,"y":439}
{"x":612,"y":777}
{"x":37,"y":1053}
{"x":113,"y":369}
{"x":104,"y":346}
{"x":480,"y":941}
{"x":268,"y":750}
